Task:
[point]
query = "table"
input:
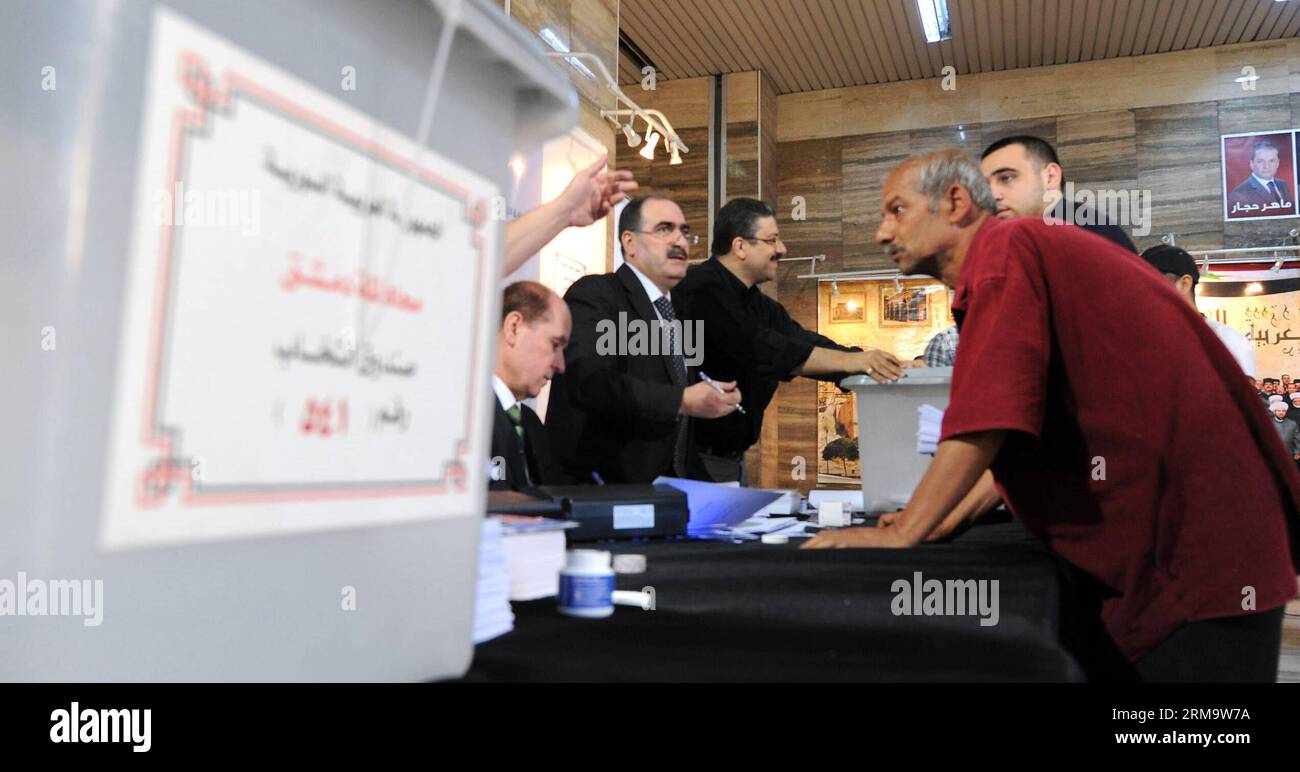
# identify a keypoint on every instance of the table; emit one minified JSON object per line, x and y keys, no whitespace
{"x":757,"y":612}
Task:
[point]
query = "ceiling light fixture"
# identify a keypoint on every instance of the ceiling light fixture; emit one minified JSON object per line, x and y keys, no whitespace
{"x":934,"y":19}
{"x":633,"y":139}
{"x":651,"y":140}
{"x":627,"y":111}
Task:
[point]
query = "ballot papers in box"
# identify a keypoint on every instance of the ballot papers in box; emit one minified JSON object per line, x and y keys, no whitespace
{"x":929,"y":425}
{"x":889,"y":436}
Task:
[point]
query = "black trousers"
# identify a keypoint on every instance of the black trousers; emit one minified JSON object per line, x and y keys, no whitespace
{"x":1238,"y":649}
{"x":1241,"y":649}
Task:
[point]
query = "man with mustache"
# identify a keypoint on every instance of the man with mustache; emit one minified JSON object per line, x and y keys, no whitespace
{"x":1177,"y":510}
{"x":750,"y":339}
{"x":620,"y":413}
{"x":1026,"y":178}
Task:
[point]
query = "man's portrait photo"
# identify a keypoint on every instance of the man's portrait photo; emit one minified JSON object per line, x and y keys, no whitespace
{"x":1259,"y":175}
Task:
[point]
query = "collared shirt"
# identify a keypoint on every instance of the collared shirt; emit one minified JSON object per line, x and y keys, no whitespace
{"x":748,"y":338}
{"x":941,"y":351}
{"x":1174,"y":505}
{"x":651,"y":290}
{"x":504,"y":395}
{"x":1266,"y":184}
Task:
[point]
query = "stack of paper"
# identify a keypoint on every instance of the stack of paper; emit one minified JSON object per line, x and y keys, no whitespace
{"x":928,"y":430}
{"x":760,"y":525}
{"x":535,"y":552}
{"x":492,"y":614}
{"x":715,"y":508}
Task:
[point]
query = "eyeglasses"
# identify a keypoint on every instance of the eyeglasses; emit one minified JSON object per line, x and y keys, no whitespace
{"x":665,"y":231}
{"x":772,"y":242}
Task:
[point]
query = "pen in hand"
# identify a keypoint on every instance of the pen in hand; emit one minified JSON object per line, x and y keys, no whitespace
{"x":717,"y":388}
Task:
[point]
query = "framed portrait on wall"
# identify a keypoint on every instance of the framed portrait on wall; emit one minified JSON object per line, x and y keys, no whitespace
{"x":1259,"y":174}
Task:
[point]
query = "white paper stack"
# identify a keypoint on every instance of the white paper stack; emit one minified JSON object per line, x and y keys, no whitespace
{"x":535,"y":552}
{"x":928,"y":429}
{"x":492,"y":614}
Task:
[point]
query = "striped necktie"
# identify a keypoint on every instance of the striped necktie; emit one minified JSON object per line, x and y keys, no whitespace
{"x":678,"y":368}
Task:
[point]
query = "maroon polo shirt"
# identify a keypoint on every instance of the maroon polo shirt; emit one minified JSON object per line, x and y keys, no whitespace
{"x":1179,"y":505}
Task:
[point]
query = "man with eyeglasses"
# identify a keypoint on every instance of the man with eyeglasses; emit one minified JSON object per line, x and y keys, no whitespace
{"x":624,"y":409}
{"x":749,"y":338}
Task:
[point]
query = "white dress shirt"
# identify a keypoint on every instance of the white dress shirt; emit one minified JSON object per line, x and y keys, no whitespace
{"x":651,"y":290}
{"x":504,"y":395}
{"x":1237,"y":344}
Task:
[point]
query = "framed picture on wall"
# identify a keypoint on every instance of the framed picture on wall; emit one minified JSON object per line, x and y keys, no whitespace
{"x":906,"y":308}
{"x":1259,"y":174}
{"x":849,"y":307}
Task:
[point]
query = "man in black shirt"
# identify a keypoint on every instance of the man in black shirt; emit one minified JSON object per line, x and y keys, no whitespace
{"x":749,"y":338}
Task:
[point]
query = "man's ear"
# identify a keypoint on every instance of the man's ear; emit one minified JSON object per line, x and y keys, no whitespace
{"x":739,"y":248}
{"x":1185,"y":284}
{"x":959,"y":203}
{"x":1052,"y":177}
{"x":510,"y":327}
{"x":625,"y":238}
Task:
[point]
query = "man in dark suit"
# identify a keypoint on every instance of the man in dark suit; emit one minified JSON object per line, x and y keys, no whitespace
{"x":1262,"y":188}
{"x":622,"y":409}
{"x":535,"y":328}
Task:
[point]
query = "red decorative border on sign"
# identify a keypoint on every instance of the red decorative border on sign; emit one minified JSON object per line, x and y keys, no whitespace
{"x":157,"y":480}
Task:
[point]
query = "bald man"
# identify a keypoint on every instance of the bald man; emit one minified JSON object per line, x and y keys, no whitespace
{"x":535,"y":327}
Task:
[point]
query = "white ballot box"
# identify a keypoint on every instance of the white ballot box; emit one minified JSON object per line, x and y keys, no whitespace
{"x":888,"y":416}
{"x":250,"y":318}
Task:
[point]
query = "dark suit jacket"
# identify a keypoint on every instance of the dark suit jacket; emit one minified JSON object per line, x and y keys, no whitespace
{"x":614,"y":413}
{"x":535,"y":451}
{"x":1251,"y":193}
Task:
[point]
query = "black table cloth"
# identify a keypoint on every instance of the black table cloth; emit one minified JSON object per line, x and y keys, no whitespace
{"x":756,"y":612}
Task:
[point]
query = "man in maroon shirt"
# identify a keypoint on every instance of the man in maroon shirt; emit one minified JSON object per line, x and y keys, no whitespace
{"x":1070,"y":348}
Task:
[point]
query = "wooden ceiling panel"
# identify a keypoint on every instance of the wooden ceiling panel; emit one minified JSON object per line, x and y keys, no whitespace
{"x":809,"y":45}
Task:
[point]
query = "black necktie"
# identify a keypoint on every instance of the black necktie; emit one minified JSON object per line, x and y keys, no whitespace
{"x":1276,"y":191}
{"x":678,"y":369}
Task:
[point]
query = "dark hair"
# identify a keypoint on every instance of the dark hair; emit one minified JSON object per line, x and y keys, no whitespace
{"x":1037,"y":148}
{"x":630,"y":219}
{"x":738,"y":218}
{"x":1173,"y":261}
{"x":1263,"y":144}
{"x":530,"y":299}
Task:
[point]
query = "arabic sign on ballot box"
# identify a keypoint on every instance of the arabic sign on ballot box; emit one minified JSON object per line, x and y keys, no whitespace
{"x":296,"y":291}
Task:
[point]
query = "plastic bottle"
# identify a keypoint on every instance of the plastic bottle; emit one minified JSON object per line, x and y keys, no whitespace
{"x":587,"y":585}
